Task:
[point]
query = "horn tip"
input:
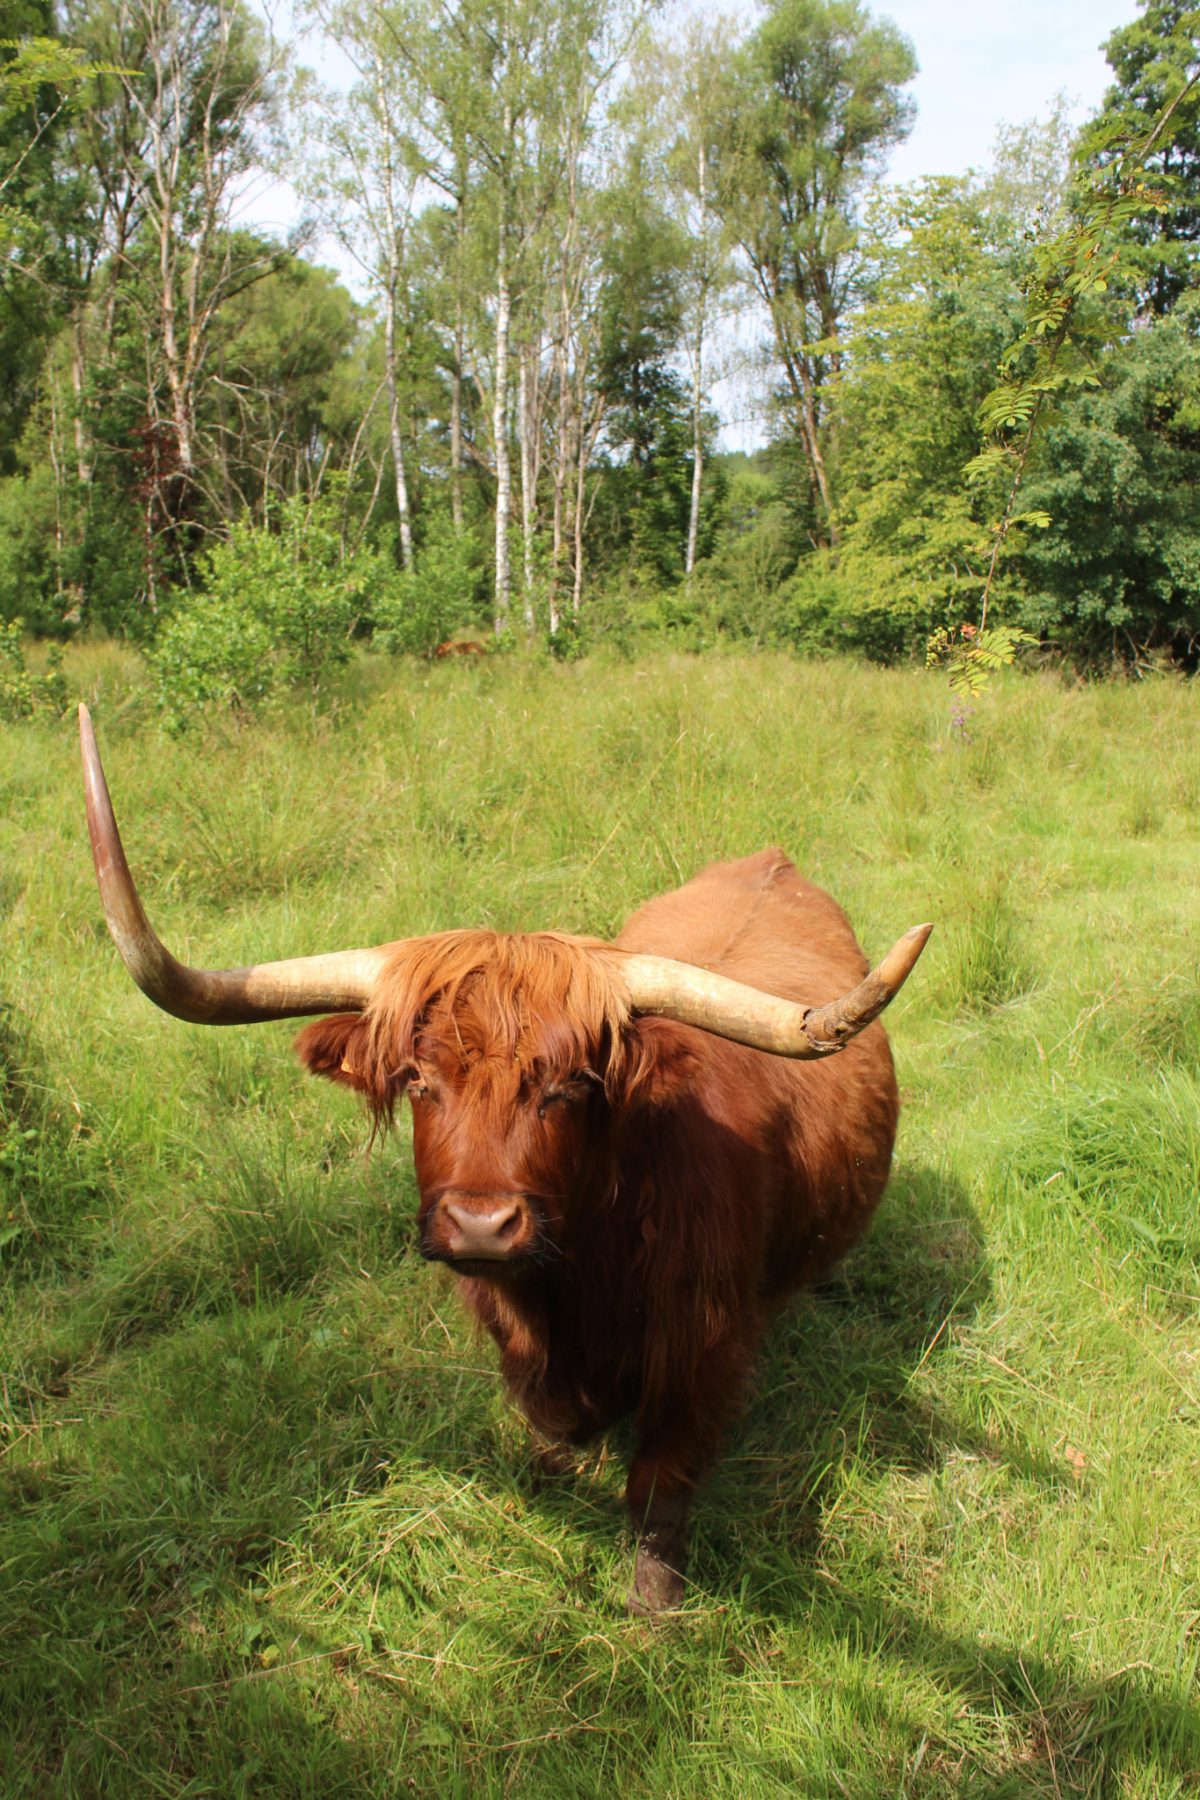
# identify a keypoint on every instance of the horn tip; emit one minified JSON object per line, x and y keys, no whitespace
{"x":901,"y":959}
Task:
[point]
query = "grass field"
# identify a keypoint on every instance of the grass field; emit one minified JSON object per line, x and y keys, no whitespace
{"x":266,"y":1525}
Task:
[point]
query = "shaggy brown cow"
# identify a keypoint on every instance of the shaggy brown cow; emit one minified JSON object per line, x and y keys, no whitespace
{"x":629,"y":1153}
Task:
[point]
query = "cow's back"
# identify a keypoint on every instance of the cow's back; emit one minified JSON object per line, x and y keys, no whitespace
{"x":829,"y":1125}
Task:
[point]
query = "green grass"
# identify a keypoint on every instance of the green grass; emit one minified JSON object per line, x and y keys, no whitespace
{"x":266,"y":1524}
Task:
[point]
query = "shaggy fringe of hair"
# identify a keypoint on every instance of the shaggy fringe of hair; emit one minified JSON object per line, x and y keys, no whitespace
{"x":541,"y":1002}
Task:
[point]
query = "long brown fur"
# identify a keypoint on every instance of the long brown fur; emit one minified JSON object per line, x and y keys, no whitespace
{"x":688,"y":1188}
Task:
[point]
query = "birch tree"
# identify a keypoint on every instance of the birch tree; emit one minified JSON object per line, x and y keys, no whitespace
{"x":365,"y":181}
{"x":687,"y":79}
{"x":816,"y":102}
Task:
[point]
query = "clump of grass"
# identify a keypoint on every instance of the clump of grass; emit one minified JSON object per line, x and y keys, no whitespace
{"x":1130,"y":1158}
{"x":985,"y":961}
{"x":1141,"y":814}
{"x":51,"y":1168}
{"x":1164,"y":1022}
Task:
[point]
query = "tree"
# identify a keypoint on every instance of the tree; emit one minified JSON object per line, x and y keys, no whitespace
{"x":169,"y":143}
{"x":684,"y":87}
{"x":365,"y":182}
{"x":1117,"y":471}
{"x":272,"y":413}
{"x":940,"y":298}
{"x":816,"y":103}
{"x":41,"y":79}
{"x":641,"y":325}
{"x":1153,"y":58}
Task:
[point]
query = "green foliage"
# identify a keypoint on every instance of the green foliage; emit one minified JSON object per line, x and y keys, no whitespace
{"x":414,"y":610}
{"x":22,"y":692}
{"x":1117,"y":566}
{"x":1053,"y":356}
{"x":971,"y":657}
{"x":941,"y":303}
{"x":816,"y":100}
{"x":760,"y":540}
{"x":28,"y":589}
{"x":1152,"y":59}
{"x":279,"y":605}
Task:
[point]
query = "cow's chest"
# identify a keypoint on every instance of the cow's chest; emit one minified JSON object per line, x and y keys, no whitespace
{"x":571,"y":1373}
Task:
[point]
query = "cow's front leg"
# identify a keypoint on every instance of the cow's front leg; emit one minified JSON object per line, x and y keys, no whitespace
{"x":658,"y":1504}
{"x":677,"y":1442}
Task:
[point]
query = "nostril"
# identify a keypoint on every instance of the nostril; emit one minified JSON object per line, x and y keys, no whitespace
{"x":506,"y":1225}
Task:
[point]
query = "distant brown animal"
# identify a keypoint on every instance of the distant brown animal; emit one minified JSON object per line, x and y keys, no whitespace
{"x":629,"y":1153}
{"x":452,"y":647}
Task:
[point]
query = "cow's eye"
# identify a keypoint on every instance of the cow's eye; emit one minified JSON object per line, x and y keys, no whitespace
{"x":574,"y":1088}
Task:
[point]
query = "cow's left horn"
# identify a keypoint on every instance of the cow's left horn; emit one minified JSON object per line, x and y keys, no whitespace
{"x":340,"y":982}
{"x":730,"y":1009}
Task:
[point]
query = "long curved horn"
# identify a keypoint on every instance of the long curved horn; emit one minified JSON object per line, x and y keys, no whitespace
{"x":341,"y":982}
{"x":730,"y":1009}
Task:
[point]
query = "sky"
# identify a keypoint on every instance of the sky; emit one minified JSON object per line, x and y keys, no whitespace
{"x":982,"y":67}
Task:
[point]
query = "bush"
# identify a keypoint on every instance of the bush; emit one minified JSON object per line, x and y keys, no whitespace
{"x":753,"y":559}
{"x":276,"y":607}
{"x":27,"y":513}
{"x":23,"y":693}
{"x":415,"y":610}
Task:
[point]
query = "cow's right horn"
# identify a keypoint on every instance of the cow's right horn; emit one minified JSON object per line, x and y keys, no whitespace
{"x":339,"y":982}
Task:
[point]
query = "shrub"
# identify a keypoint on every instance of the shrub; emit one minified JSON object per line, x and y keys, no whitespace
{"x":277,"y":607}
{"x":27,"y":512}
{"x":21,"y":692}
{"x":414,"y":610}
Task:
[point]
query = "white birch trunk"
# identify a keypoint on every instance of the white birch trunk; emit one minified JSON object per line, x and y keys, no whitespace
{"x":397,"y":435}
{"x":500,"y":414}
{"x":456,"y":455}
{"x":525,"y":427}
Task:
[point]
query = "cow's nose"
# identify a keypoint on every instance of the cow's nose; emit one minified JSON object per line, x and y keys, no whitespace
{"x":487,"y":1230}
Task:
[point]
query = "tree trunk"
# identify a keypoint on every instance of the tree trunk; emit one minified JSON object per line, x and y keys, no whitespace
{"x":397,"y":436}
{"x":800,"y":381}
{"x":525,"y":431}
{"x":500,"y":418}
{"x":83,"y":447}
{"x":697,"y":446}
{"x":456,"y":457}
{"x":562,"y":461}
{"x":698,"y":369}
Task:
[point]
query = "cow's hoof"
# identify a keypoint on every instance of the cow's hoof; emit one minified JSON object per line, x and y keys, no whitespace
{"x":551,"y":1462}
{"x":657,"y":1585}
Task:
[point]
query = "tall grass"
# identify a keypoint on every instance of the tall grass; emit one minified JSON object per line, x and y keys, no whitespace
{"x":267,"y":1526}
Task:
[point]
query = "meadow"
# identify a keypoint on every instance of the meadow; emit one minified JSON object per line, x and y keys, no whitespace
{"x":267,"y":1526}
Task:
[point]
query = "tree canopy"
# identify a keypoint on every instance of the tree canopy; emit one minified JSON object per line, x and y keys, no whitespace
{"x":569,"y":223}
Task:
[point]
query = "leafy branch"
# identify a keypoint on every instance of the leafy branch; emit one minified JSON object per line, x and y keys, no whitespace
{"x":37,"y":63}
{"x":1066,"y":269}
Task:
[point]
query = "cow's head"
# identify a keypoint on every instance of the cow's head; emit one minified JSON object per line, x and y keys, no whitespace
{"x":510,"y":1048}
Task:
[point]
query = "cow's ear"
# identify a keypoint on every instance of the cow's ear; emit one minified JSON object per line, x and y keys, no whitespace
{"x":337,"y":1049}
{"x":658,"y":1063}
